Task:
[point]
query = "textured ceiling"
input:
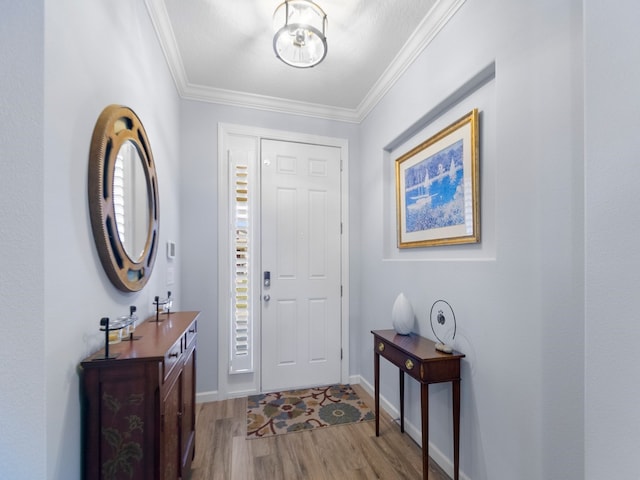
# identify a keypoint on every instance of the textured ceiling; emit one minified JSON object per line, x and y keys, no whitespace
{"x":222,"y":51}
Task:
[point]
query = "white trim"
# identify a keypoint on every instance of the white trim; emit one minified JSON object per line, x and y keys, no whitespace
{"x":262,"y":102}
{"x":242,"y":393}
{"x":205,"y":397}
{"x":429,"y":27}
{"x":242,"y":384}
{"x":160,"y":20}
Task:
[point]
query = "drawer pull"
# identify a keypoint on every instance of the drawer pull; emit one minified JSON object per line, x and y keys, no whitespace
{"x":173,"y":355}
{"x":408,"y":364}
{"x":381,"y":347}
{"x":192,"y":330}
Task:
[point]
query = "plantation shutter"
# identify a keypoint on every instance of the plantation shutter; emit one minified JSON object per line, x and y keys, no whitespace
{"x":118,"y":197}
{"x":241,"y":231}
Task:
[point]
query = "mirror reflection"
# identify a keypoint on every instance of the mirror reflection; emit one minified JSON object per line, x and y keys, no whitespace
{"x":130,"y":200}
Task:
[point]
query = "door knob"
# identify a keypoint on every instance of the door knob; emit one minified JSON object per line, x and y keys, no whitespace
{"x":267,"y":298}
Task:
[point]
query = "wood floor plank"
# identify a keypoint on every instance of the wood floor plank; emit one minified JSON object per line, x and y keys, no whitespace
{"x":241,"y":460}
{"x":350,"y":452}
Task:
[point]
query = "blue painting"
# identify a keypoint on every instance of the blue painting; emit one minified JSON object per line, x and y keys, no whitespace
{"x":434,"y":191}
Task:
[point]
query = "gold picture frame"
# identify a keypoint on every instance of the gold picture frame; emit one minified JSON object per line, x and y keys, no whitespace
{"x":437,"y":188}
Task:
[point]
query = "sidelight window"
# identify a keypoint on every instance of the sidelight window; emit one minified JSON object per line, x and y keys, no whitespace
{"x":243,"y":255}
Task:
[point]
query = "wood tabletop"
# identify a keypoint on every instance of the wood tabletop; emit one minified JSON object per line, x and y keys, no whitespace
{"x":415,"y":345}
{"x":159,"y":337}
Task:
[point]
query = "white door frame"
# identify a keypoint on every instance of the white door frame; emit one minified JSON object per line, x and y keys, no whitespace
{"x":238,"y":385}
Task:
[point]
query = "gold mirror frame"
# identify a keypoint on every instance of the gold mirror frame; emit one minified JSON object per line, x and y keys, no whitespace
{"x":116,"y":125}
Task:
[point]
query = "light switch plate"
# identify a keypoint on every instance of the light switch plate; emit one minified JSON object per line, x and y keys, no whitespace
{"x":171,"y":250}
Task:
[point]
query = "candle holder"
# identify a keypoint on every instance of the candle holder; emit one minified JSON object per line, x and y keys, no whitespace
{"x":112,"y":334}
{"x":163,"y":306}
{"x":130,"y":321}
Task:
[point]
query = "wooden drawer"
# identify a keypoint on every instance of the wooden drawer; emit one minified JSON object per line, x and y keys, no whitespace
{"x":190,"y":335}
{"x":428,"y":365}
{"x":172,"y":357}
{"x":407,"y":363}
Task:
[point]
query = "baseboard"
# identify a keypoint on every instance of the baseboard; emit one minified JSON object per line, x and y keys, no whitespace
{"x":242,"y":393}
{"x":410,"y":429}
{"x":205,"y":397}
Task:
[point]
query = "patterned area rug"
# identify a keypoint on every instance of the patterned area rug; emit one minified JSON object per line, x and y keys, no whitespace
{"x":297,"y":410}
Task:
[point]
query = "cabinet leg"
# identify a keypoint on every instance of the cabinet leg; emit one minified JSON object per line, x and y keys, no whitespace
{"x":424,"y":405}
{"x":401,"y":401}
{"x":456,"y":428}
{"x":376,"y":382}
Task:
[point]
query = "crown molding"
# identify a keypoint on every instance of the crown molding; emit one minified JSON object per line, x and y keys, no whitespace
{"x":160,"y":20}
{"x":263,"y":102}
{"x":435,"y":20}
{"x":439,"y":15}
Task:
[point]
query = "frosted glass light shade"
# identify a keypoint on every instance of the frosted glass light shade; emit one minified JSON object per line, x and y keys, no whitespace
{"x":300,"y":39}
{"x":402,"y":315}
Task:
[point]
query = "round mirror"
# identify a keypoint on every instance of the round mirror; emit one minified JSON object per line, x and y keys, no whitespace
{"x":123,"y":198}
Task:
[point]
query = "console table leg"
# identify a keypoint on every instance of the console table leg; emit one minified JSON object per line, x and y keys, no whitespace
{"x":401,"y":401}
{"x":424,"y":405}
{"x":456,"y":427}
{"x":376,"y":382}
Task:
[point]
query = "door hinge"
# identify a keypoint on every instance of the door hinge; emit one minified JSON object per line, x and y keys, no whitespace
{"x":341,"y":290}
{"x":340,"y":228}
{"x":340,"y":354}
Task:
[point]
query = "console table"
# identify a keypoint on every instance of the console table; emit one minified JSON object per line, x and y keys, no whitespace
{"x":418,"y":357}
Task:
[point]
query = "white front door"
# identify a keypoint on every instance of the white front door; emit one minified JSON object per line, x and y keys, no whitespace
{"x":301,"y":265}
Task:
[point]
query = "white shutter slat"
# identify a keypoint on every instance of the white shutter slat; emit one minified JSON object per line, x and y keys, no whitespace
{"x":241,"y":331}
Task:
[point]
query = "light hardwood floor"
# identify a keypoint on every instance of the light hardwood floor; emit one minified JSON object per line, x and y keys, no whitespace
{"x":330,"y":453}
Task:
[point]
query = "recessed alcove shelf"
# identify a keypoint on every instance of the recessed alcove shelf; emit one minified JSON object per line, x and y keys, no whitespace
{"x":476,"y":92}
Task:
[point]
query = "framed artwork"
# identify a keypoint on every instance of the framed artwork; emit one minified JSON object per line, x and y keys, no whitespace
{"x":437,"y":185}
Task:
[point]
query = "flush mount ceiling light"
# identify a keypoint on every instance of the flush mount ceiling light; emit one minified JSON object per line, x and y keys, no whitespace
{"x":300,"y":39}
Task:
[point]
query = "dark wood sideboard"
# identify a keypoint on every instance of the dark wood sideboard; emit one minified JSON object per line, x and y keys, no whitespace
{"x":139,"y":405}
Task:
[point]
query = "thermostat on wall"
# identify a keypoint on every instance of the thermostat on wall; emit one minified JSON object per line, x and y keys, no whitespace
{"x":171,"y":249}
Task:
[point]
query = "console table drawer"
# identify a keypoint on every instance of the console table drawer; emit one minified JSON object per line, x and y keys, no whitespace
{"x":407,"y":363}
{"x":190,"y":334}
{"x":437,"y":369}
{"x":172,"y":357}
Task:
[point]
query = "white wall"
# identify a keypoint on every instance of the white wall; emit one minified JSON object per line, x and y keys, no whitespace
{"x":22,"y":401}
{"x":200,"y":205}
{"x":612,"y":143}
{"x":96,"y":53}
{"x":519,"y":303}
{"x":518,"y":295}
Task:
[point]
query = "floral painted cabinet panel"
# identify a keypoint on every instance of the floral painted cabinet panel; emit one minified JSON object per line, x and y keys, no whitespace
{"x":138,"y":404}
{"x":124,"y":408}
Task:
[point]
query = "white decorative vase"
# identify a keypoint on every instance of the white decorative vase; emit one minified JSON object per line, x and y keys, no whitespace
{"x":402,"y":315}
